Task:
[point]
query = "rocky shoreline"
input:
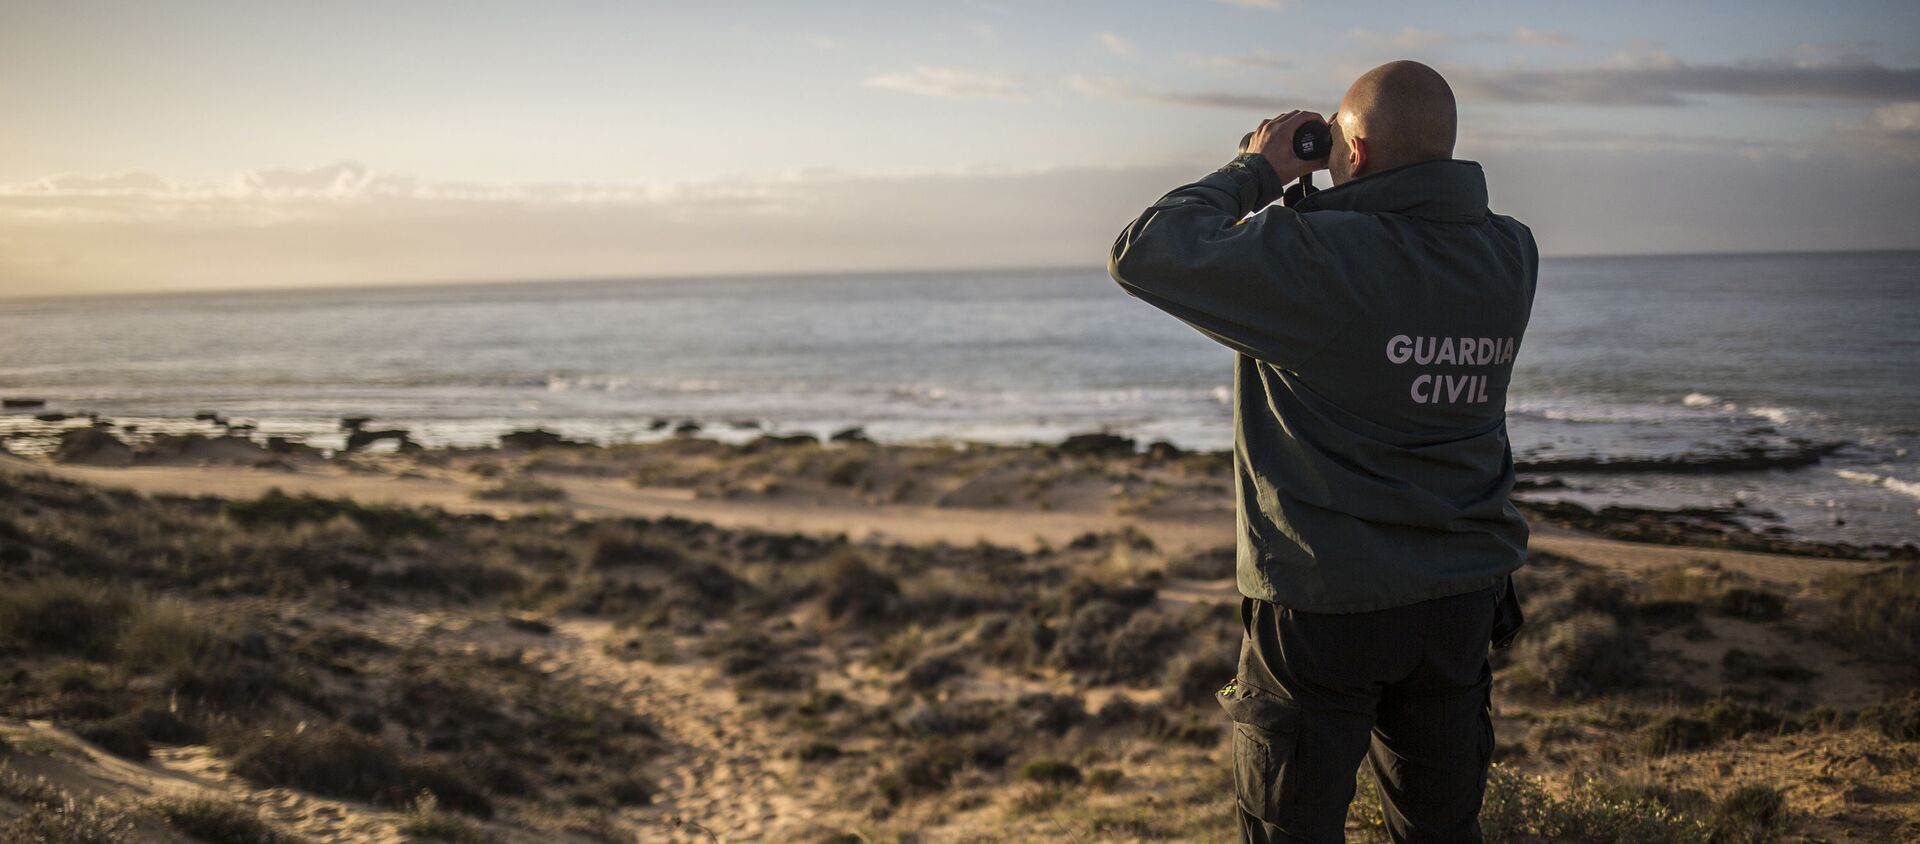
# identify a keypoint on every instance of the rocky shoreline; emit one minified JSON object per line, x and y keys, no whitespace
{"x":1734,"y":526}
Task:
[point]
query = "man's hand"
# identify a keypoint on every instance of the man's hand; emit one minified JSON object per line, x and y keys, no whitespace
{"x":1274,"y":140}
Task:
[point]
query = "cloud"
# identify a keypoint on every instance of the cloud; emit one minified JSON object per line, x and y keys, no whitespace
{"x":1414,"y":38}
{"x":299,"y":226}
{"x":1407,"y":37}
{"x":347,"y":223}
{"x":1542,"y":38}
{"x":1270,"y":5}
{"x":1107,"y":88}
{"x":1245,"y":61}
{"x":1647,"y":79}
{"x":952,"y":84}
{"x":1491,"y":133}
{"x":1891,"y":130}
{"x":1659,"y":79}
{"x":1115,"y":44}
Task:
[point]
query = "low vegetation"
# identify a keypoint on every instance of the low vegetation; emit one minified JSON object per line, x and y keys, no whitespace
{"x":1045,"y":691}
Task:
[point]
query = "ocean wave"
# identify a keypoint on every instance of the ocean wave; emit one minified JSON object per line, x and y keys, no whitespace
{"x":589,"y":383}
{"x":1707,"y":401}
{"x":1909,"y":488}
{"x":1594,"y":412}
{"x":1776,"y":415}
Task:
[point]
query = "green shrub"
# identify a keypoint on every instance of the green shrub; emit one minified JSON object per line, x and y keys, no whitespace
{"x":1580,"y":656}
{"x":64,"y":615}
{"x":1718,"y":721}
{"x":857,"y":593}
{"x":522,"y":490}
{"x":1749,"y":815}
{"x":217,"y":822}
{"x":338,"y":762}
{"x":1879,"y":612}
{"x":1518,"y":808}
{"x":427,"y":822}
{"x":118,"y":736}
{"x":164,"y":635}
{"x":1751,"y":604}
{"x":1738,"y":666}
{"x":55,"y":816}
{"x":1048,"y":770}
{"x":1193,"y":679}
{"x":1896,"y":719}
{"x":278,"y":509}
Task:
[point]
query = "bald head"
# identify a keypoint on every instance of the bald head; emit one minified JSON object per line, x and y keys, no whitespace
{"x":1396,"y":114}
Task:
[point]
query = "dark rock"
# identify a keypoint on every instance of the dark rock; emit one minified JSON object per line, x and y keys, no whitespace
{"x":22,"y":404}
{"x":537,"y":438}
{"x":361,"y":438}
{"x":283,"y":445}
{"x":210,"y":416}
{"x":1163,"y":450}
{"x":1096,"y":445}
{"x":92,"y":446}
{"x":1713,"y":527}
{"x":354,"y":423}
{"x":1751,"y":458}
{"x":52,"y":417}
{"x":686,"y":428}
{"x":855,"y":434}
{"x":765,"y":442}
{"x":221,"y":449}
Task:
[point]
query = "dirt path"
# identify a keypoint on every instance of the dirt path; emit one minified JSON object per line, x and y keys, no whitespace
{"x":725,"y":775}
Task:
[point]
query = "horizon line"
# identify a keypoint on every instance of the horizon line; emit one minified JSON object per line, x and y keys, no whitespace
{"x":799,"y":276}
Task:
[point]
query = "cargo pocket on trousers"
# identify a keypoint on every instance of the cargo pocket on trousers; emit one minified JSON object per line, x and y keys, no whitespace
{"x":1266,"y":731}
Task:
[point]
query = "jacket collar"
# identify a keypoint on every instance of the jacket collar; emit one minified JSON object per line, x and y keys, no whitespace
{"x":1447,"y":190}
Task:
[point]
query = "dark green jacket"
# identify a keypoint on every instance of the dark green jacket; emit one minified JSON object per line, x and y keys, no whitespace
{"x":1376,"y":325}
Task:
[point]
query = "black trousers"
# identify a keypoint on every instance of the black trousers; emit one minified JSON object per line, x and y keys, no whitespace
{"x":1406,"y":688}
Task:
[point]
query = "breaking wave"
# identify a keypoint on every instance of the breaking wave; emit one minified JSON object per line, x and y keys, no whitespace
{"x":1910,"y":488}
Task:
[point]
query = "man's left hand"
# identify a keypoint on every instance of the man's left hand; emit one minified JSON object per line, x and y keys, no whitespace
{"x":1274,"y":140}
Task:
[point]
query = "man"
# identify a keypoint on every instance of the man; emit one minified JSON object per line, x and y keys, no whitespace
{"x":1376,"y":324}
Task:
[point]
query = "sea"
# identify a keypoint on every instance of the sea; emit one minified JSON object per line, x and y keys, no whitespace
{"x":1625,"y":358}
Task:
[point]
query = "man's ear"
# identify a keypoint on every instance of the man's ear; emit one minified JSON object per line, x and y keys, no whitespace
{"x":1356,"y":155}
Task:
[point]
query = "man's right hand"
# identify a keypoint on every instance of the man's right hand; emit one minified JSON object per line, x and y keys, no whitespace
{"x":1274,"y":140}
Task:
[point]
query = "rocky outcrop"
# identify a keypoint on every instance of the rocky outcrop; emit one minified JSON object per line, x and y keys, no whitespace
{"x":535,"y":439}
{"x":361,"y":438}
{"x":92,"y":447}
{"x":199,"y":448}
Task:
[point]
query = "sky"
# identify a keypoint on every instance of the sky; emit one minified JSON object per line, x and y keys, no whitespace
{"x":200,"y":145}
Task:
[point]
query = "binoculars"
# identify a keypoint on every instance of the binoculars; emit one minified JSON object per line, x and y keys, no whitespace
{"x":1311,"y":142}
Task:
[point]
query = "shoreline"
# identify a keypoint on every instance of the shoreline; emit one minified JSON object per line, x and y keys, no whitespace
{"x":945,"y":491}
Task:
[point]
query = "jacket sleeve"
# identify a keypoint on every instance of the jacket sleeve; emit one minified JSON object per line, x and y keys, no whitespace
{"x":1264,"y":285}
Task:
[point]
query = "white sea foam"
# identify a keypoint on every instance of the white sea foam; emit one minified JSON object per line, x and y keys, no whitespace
{"x":1700,"y":400}
{"x":1911,"y":488}
{"x":1776,"y":415}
